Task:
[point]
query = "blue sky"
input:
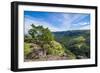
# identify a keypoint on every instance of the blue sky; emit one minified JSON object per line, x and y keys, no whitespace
{"x":57,"y":21}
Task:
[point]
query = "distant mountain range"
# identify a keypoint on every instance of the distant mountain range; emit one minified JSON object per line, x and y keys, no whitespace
{"x":64,"y":36}
{"x":71,"y":33}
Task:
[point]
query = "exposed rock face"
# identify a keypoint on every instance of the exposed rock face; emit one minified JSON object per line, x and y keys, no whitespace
{"x":37,"y":52}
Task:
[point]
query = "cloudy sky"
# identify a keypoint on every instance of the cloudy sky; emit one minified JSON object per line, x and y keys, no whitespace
{"x":57,"y":21}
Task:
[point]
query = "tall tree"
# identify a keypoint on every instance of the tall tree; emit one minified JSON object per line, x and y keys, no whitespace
{"x":33,"y":31}
{"x":41,"y":34}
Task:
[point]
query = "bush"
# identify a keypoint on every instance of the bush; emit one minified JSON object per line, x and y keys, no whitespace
{"x":27,"y":49}
{"x":54,"y":48}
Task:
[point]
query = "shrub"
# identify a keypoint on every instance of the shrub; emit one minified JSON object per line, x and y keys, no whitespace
{"x":54,"y":48}
{"x":27,"y":49}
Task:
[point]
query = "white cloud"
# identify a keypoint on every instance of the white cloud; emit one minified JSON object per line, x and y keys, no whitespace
{"x":85,"y":27}
{"x":66,"y":23}
{"x":29,"y":21}
{"x":69,"y":19}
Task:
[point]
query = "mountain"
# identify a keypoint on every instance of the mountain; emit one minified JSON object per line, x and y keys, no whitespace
{"x":71,"y":33}
{"x":77,"y":41}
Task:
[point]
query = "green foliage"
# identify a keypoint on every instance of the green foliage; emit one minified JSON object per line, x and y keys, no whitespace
{"x":75,"y":42}
{"x":79,"y":47}
{"x":33,"y":31}
{"x":47,"y":35}
{"x":57,"y":48}
{"x":27,"y":38}
{"x":70,"y":55}
{"x":54,"y":48}
{"x":39,"y":33}
{"x":27,"y":49}
{"x":86,"y":50}
{"x":79,"y":39}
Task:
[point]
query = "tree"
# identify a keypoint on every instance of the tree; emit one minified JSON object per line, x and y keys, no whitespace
{"x":33,"y":31}
{"x":39,"y":33}
{"x":45,"y":39}
{"x":47,"y":35}
{"x":27,"y":38}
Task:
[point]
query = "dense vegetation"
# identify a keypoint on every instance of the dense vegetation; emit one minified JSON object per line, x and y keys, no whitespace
{"x":42,"y":44}
{"x":77,"y":41}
